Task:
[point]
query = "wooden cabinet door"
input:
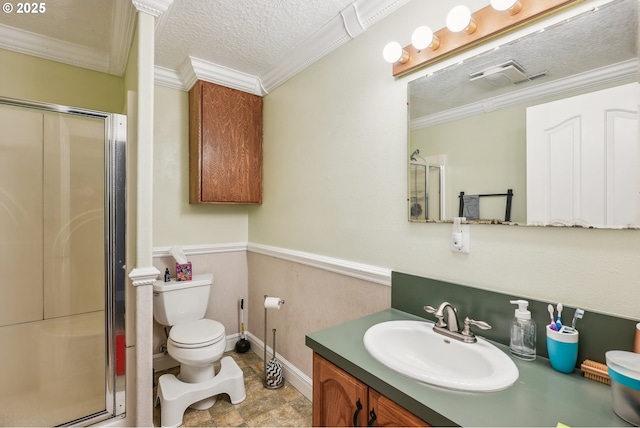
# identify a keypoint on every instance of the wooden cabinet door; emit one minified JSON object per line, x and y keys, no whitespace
{"x":339,"y":399}
{"x":225,"y":145}
{"x":386,"y":413}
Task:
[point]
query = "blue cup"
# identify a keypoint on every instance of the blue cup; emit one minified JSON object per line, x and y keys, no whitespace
{"x":563,"y":348}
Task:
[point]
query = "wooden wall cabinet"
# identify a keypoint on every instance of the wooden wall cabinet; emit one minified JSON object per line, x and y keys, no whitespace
{"x":340,"y":399}
{"x":225,"y":145}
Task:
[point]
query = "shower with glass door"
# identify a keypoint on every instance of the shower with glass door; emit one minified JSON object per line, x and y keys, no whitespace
{"x":62,"y":254}
{"x":426,"y":193}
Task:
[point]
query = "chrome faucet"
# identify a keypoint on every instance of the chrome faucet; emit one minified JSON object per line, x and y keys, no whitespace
{"x":451,"y":313}
{"x":451,"y":327}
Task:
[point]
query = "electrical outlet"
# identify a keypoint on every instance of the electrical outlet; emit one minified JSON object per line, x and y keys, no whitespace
{"x":460,"y":240}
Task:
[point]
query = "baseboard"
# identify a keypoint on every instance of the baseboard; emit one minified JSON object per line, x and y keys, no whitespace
{"x":163,"y":362}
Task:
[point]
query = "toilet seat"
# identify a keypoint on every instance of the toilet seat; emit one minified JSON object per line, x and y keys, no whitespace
{"x":196,"y":334}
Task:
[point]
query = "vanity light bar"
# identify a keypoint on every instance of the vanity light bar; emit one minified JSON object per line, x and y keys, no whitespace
{"x":489,"y":23}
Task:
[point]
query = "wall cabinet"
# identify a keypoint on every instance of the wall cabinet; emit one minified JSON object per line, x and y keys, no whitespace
{"x":225,"y":145}
{"x":340,"y":399}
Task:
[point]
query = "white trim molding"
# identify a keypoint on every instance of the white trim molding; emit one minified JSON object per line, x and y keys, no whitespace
{"x":203,"y":249}
{"x":375,"y":274}
{"x":144,"y":276}
{"x":29,"y":43}
{"x":369,"y":273}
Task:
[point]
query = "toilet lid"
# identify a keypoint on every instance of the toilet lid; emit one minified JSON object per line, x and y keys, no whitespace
{"x":196,"y":334}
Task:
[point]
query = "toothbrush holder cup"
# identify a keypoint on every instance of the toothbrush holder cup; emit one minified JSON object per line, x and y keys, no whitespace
{"x":563,"y":348}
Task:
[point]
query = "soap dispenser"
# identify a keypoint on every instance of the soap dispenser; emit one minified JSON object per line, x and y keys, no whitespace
{"x":523,"y":332}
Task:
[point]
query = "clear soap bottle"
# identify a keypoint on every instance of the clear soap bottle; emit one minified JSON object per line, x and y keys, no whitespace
{"x":523,"y":332}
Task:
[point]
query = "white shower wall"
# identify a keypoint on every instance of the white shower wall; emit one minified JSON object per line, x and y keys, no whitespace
{"x":51,"y":215}
{"x":52,"y":320}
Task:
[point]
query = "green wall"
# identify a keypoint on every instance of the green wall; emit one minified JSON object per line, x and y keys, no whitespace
{"x":30,"y":78}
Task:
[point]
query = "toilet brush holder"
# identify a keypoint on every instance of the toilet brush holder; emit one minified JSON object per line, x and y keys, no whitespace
{"x":273,"y":371}
{"x":273,"y":378}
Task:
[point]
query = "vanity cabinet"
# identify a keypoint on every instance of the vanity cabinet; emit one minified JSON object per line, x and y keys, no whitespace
{"x":340,"y":399}
{"x":225,"y":145}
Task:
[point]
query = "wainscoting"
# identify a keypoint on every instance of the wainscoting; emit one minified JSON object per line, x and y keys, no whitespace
{"x":319,"y":292}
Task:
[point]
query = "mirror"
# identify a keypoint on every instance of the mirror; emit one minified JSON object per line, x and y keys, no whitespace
{"x":472,"y":149}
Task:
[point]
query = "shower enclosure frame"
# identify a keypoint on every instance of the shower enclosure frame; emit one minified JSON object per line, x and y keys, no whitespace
{"x":414,"y":198}
{"x":115,"y":137}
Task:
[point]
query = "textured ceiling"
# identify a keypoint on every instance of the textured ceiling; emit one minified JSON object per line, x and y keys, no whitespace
{"x":251,"y":45}
{"x":590,"y":41}
{"x":247,"y":35}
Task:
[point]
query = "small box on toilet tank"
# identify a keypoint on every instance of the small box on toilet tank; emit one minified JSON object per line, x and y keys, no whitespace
{"x":183,"y":271}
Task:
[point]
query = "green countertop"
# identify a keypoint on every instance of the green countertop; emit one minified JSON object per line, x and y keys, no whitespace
{"x":540,"y":397}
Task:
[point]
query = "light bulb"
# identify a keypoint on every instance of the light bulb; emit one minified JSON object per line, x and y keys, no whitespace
{"x":511,"y":6}
{"x":393,"y":52}
{"x":460,"y":19}
{"x":423,"y":37}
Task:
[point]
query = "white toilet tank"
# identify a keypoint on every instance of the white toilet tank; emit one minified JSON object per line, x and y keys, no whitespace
{"x":177,"y":302}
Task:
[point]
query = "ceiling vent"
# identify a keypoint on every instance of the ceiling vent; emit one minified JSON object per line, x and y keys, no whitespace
{"x":507,"y":73}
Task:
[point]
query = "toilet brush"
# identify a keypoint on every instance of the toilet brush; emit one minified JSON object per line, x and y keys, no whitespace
{"x":242,"y":345}
{"x":273,"y":371}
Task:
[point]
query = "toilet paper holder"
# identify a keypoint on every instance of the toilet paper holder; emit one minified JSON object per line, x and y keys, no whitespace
{"x":273,"y":378}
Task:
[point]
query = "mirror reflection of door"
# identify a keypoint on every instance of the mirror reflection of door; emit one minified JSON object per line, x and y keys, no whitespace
{"x":582,"y":160}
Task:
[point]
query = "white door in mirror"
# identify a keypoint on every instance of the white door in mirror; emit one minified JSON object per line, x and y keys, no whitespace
{"x":583,"y":163}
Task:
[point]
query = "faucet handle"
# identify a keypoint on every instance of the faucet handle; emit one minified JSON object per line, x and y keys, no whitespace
{"x":468,"y":322}
{"x":430,"y":309}
{"x":439,"y":315}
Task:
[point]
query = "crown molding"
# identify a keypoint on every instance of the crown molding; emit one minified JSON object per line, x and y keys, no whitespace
{"x":194,"y":69}
{"x":168,"y":78}
{"x":371,"y":12}
{"x":32,"y":44}
{"x":123,"y":19}
{"x":214,"y":73}
{"x":352,"y":21}
{"x":605,"y":75}
{"x":115,"y":62}
{"x":348,"y":24}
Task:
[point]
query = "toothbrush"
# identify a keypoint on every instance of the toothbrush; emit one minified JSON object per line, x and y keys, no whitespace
{"x":576,"y":316}
{"x":553,"y":324}
{"x":559,"y":321}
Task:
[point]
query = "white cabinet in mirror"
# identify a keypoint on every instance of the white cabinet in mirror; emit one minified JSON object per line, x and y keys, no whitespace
{"x":471,"y":136}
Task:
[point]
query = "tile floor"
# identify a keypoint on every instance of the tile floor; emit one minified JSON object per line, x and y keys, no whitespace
{"x":262,"y":408}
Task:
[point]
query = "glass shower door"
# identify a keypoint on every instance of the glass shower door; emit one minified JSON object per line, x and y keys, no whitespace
{"x":57,"y":360}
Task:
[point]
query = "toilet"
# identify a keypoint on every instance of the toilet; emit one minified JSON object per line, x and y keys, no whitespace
{"x":196,"y":343}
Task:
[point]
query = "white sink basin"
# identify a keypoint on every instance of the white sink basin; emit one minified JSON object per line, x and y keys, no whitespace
{"x":413,"y":349}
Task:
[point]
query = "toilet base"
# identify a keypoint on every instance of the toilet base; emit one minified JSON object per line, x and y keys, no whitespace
{"x":175,"y":396}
